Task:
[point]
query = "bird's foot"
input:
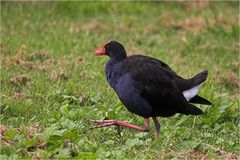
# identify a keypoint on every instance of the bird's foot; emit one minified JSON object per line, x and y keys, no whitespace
{"x":105,"y":123}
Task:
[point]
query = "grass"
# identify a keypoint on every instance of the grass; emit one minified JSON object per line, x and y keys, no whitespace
{"x":50,"y":80}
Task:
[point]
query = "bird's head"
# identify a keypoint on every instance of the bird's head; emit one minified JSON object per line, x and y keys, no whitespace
{"x":112,"y":49}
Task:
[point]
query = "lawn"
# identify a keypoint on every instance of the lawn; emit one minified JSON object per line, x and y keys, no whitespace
{"x":51,"y":81}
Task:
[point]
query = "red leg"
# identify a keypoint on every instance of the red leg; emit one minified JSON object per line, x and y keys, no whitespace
{"x":105,"y":123}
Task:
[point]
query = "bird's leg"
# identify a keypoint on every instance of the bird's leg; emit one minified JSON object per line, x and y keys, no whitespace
{"x":105,"y":123}
{"x":157,"y":127}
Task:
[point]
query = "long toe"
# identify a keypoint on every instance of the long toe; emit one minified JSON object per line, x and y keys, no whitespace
{"x":102,"y":125}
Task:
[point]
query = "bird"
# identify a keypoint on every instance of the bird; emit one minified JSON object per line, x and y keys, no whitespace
{"x":149,"y":88}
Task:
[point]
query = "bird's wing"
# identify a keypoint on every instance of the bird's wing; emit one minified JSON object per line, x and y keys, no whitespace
{"x":140,"y":59}
{"x":181,"y":83}
{"x":155,"y":84}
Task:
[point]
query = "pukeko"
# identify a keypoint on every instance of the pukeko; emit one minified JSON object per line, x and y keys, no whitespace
{"x":148,"y":87}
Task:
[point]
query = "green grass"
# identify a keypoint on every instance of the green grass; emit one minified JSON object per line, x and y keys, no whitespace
{"x":52,"y":46}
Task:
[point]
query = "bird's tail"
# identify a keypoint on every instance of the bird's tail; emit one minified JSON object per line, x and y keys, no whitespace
{"x":193,"y":110}
{"x":190,"y":109}
{"x":200,"y":100}
{"x":199,"y":78}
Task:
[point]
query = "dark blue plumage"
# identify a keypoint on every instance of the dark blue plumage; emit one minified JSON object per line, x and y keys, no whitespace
{"x":148,"y":87}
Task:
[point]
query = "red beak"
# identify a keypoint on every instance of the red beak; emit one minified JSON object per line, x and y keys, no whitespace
{"x":100,"y":51}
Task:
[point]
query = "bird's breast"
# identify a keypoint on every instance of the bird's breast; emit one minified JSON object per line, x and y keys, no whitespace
{"x":113,"y":70}
{"x":112,"y":78}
